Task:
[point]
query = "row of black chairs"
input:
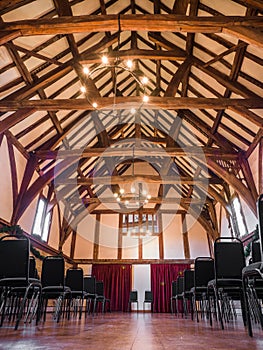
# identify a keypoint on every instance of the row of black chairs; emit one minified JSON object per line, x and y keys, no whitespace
{"x":133,"y":298}
{"x":252,"y":278}
{"x":189,"y":290}
{"x":24,"y":294}
{"x":213,"y":287}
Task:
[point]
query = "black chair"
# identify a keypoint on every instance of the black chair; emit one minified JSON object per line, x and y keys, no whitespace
{"x":179,"y":294}
{"x":15,"y":282}
{"x":133,"y":298}
{"x":53,"y":286}
{"x":256,"y":252}
{"x":203,"y":273}
{"x":252,"y":277}
{"x":187,"y":295}
{"x":148,"y":299}
{"x":100,"y":297}
{"x":75,"y":281}
{"x":173,"y":297}
{"x":33,"y":273}
{"x":229,"y":260}
{"x":90,"y":293}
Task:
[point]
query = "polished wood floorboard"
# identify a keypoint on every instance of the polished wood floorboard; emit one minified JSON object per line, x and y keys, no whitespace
{"x":129,"y":331}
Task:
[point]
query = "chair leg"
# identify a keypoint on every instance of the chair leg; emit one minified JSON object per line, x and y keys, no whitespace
{"x":246,"y":306}
{"x":22,"y":307}
{"x":209,"y":308}
{"x":219,"y":310}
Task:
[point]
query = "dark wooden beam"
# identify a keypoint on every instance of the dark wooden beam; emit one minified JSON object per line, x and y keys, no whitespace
{"x":168,"y":152}
{"x":185,"y":237}
{"x":172,"y":55}
{"x":233,"y":181}
{"x":122,"y":179}
{"x":119,"y":254}
{"x":9,"y":35}
{"x":96,"y":237}
{"x":107,"y":103}
{"x":133,"y":261}
{"x":148,"y":22}
{"x":160,"y":236}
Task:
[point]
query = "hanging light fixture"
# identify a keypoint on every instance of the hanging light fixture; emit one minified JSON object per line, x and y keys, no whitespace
{"x":138,"y":194}
{"x":116,"y":65}
{"x":136,"y":197}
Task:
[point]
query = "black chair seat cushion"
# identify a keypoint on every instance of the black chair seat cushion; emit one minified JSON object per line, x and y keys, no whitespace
{"x":18,"y":282}
{"x":225,"y":282}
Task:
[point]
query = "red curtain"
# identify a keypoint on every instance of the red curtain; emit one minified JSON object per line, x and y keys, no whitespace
{"x":117,"y":283}
{"x":162,"y":276}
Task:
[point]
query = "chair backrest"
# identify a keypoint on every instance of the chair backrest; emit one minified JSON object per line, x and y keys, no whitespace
{"x":188,"y":279}
{"x":148,"y":296}
{"x":174,"y":288}
{"x":204,"y":271}
{"x":74,"y":279}
{"x":256,"y":252}
{"x":100,"y":288}
{"x":32,"y":268}
{"x":90,"y":284}
{"x":229,"y":258}
{"x":53,"y":270}
{"x":180,"y":285}
{"x":133,"y":296}
{"x":14,"y":257}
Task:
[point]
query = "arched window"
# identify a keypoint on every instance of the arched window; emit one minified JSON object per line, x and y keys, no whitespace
{"x":42,"y":221}
{"x":238,"y":219}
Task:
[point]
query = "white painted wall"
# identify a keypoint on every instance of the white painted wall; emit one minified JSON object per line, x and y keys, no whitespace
{"x":198,"y":241}
{"x":108,"y":240}
{"x":141,"y":281}
{"x":172,"y":237}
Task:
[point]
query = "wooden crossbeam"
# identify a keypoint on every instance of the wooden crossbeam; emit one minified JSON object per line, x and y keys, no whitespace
{"x":137,"y":152}
{"x":148,"y":22}
{"x":171,"y":55}
{"x":156,"y":200}
{"x":110,"y":180}
{"x":128,"y":102}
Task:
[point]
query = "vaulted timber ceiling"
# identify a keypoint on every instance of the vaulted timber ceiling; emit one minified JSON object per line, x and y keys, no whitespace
{"x":203,"y":60}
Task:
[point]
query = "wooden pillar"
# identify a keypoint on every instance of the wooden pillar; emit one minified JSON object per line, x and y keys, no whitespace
{"x":140,"y":240}
{"x":160,"y":226}
{"x":96,"y":237}
{"x":185,"y":237}
{"x":119,"y":257}
{"x":73,"y":244}
{"x":140,"y":247}
{"x":210,"y":245}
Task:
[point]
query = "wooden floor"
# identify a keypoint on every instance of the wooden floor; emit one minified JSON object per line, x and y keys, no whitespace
{"x":136,"y":331}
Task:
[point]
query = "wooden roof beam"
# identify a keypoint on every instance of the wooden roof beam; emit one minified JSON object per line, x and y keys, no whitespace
{"x":156,"y":200}
{"x":8,"y":35}
{"x":186,"y":151}
{"x":172,"y":55}
{"x":155,"y":102}
{"x":148,"y":22}
{"x":153,"y":179}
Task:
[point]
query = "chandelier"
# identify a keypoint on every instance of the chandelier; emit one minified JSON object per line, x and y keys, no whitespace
{"x":136,"y":198}
{"x":116,"y":67}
